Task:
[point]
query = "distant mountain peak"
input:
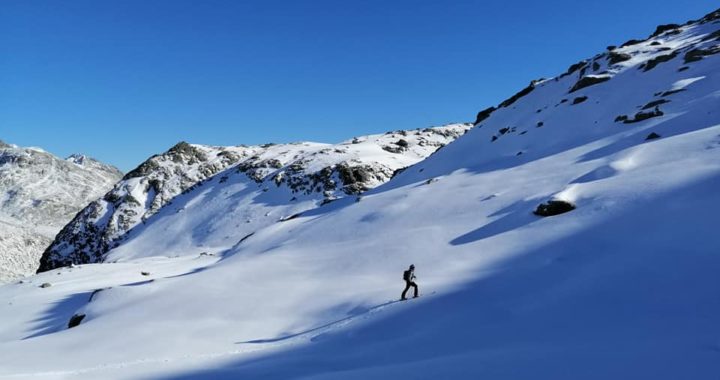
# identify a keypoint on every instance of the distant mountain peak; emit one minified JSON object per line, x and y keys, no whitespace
{"x":40,"y":193}
{"x":77,"y":158}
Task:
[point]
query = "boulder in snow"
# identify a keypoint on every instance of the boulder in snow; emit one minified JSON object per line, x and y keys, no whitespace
{"x":553,"y":207}
{"x":75,"y":320}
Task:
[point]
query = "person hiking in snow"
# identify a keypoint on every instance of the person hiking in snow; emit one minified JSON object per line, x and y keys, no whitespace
{"x":409,"y":277}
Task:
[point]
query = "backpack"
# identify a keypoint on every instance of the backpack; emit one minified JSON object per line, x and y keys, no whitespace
{"x":406,"y":275}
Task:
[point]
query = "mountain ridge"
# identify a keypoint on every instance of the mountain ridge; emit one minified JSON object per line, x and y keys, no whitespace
{"x":311,"y":172}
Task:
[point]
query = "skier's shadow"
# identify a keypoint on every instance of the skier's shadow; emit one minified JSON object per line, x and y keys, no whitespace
{"x":353,"y":314}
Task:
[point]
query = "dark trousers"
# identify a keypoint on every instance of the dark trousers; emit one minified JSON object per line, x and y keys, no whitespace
{"x":409,"y":284}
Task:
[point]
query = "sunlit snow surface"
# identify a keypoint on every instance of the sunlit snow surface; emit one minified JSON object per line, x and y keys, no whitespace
{"x":625,"y":286}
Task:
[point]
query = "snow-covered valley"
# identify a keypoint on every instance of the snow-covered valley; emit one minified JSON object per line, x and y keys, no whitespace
{"x":230,"y":279}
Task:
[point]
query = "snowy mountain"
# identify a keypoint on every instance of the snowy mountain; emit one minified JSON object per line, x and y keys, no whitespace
{"x":39,"y":194}
{"x":268,"y":182}
{"x":622,"y":284}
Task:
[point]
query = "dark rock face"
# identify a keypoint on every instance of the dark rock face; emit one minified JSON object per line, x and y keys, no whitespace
{"x":575,"y":67}
{"x":588,"y":81}
{"x":658,"y":60}
{"x":652,"y":136}
{"x":664,"y":28}
{"x":553,"y":207}
{"x":655,"y":103}
{"x":579,"y":99}
{"x":712,"y":16}
{"x":520,"y":94}
{"x":614,"y":57}
{"x":640,"y":116}
{"x":75,"y":320}
{"x":712,"y":36}
{"x":630,"y":43}
{"x":695,"y":55}
{"x":393,"y":149}
{"x":354,"y":178}
{"x":484,"y":114}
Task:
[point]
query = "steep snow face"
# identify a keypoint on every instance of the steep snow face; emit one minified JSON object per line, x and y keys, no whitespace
{"x":644,"y":87}
{"x":39,"y":193}
{"x":624,"y":286}
{"x":248,"y":187}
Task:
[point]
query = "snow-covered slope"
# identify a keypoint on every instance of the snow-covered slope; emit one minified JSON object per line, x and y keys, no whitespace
{"x":261,"y":185}
{"x":623,"y":286}
{"x":40,"y":193}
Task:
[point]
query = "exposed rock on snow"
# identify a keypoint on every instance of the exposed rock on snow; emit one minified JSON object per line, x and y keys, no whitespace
{"x":695,"y":55}
{"x":75,"y":320}
{"x":652,"y":136}
{"x":589,"y":80}
{"x":554,"y":207}
{"x":650,"y":64}
{"x":484,"y":114}
{"x":614,"y":57}
{"x":579,"y":99}
{"x":508,"y":102}
{"x":643,"y":115}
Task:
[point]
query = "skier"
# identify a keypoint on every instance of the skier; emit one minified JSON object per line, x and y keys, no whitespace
{"x":409,"y":277}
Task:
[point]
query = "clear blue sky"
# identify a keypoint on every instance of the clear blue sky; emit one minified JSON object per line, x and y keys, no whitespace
{"x":122,"y":80}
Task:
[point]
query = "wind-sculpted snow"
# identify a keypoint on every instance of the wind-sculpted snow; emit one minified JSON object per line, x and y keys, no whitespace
{"x":298,"y":176}
{"x":39,"y":193}
{"x":621,"y":285}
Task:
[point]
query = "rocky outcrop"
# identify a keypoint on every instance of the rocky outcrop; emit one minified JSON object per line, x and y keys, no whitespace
{"x":75,"y":320}
{"x":508,"y":102}
{"x":641,"y":116}
{"x":589,"y":80}
{"x":140,"y":194}
{"x":484,"y":114}
{"x":650,"y":64}
{"x":695,"y":55}
{"x":615,"y":57}
{"x":553,"y":207}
